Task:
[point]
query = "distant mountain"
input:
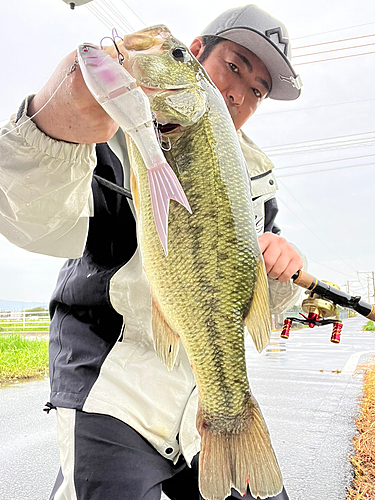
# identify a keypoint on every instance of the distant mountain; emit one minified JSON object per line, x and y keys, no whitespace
{"x":14,"y":305}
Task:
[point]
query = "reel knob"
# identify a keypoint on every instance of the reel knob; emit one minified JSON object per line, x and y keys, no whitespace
{"x":336,"y":332}
{"x":286,"y":328}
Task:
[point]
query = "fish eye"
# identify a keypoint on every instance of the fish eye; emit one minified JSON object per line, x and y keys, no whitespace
{"x":179,"y":53}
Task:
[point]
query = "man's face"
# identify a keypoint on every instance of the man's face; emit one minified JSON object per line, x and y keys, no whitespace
{"x":240,"y":75}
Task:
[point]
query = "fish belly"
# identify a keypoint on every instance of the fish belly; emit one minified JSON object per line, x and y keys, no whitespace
{"x":203,"y":290}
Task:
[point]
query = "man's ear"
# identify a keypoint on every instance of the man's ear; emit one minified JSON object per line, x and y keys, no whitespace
{"x":197,"y":47}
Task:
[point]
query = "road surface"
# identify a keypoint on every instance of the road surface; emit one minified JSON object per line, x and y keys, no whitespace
{"x":306,"y":388}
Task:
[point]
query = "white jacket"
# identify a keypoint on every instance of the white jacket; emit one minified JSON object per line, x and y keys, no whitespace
{"x":45,"y":205}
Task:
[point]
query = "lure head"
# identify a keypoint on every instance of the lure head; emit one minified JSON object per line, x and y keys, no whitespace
{"x":169,"y":74}
{"x":101,"y":78}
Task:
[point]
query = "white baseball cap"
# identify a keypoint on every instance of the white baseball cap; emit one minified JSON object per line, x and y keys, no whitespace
{"x":267,"y":38}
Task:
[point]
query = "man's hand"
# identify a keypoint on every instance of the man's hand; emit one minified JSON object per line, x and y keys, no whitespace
{"x":280,"y":258}
{"x":73,"y":115}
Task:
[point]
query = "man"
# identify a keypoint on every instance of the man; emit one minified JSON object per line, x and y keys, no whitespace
{"x":126,"y":426}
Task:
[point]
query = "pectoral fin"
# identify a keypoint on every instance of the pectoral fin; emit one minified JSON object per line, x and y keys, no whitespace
{"x":166,"y":341}
{"x":258,"y":319}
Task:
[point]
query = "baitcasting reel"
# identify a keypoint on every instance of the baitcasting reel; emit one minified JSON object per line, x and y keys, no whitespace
{"x":317,"y":310}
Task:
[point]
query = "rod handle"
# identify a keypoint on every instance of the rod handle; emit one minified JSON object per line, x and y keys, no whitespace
{"x":304,"y":280}
{"x":339,"y":297}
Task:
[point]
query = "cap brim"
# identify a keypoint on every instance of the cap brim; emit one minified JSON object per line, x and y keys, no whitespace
{"x":281,"y":72}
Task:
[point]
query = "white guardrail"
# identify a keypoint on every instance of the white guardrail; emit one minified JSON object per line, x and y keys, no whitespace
{"x":24,"y":321}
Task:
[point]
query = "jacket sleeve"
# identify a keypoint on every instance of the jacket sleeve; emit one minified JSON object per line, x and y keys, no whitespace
{"x":45,"y":189}
{"x":282,"y":295}
{"x":264,"y":186}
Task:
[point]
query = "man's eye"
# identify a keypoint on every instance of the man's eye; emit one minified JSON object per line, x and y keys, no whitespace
{"x":257,"y":93}
{"x":233,"y":67}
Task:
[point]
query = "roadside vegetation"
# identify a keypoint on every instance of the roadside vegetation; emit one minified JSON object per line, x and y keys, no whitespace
{"x":364,"y":444}
{"x":369,"y":326}
{"x":22,"y":358}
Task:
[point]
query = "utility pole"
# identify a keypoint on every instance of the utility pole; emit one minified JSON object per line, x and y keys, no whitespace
{"x":368,"y":289}
{"x":368,"y":275}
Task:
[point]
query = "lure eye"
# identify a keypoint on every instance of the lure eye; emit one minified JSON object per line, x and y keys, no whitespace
{"x":179,"y":53}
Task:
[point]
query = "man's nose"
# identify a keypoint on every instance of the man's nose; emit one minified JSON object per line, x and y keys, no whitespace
{"x":236,"y":96}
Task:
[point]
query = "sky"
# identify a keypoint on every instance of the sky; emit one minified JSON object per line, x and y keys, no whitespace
{"x":322,"y":145}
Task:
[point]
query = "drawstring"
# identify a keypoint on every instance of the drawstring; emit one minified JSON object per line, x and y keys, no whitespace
{"x":48,"y":407}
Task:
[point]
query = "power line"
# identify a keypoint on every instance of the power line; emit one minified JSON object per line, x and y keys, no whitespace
{"x":320,"y":228}
{"x":311,"y":107}
{"x":128,"y":6}
{"x":321,"y":147}
{"x":325,"y":170}
{"x":334,"y":50}
{"x":331,"y":268}
{"x":330,"y":147}
{"x":117,"y":13}
{"x":334,"y":58}
{"x":310,"y":231}
{"x":109,"y":15}
{"x":325,"y":161}
{"x":318,"y":140}
{"x":112,"y":16}
{"x":93,"y":9}
{"x":334,"y":31}
{"x":332,"y":41}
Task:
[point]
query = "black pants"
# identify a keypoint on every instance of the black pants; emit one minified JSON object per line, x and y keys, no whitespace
{"x":113,"y":462}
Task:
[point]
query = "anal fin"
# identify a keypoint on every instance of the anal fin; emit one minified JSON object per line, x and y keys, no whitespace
{"x":166,"y":341}
{"x":258,"y":319}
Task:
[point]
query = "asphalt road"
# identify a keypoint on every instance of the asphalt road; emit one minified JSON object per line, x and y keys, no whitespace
{"x":308,"y":393}
{"x":305,"y":386}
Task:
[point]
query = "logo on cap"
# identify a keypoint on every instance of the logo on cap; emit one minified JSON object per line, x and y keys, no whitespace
{"x":281,"y":39}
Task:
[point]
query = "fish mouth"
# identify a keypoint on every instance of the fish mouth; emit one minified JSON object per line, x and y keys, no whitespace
{"x":168,"y":127}
{"x":154,"y":90}
{"x":164,"y":128}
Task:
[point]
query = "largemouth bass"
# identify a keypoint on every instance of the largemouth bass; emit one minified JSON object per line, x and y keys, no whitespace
{"x":213,"y":281}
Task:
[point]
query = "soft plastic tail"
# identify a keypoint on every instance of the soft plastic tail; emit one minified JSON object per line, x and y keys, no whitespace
{"x":164,"y":186}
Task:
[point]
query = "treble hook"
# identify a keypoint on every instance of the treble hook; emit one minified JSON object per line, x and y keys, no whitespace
{"x":115,"y":35}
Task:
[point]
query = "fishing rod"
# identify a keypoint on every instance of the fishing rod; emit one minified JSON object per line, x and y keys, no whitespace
{"x":324,"y":297}
{"x":335,"y":295}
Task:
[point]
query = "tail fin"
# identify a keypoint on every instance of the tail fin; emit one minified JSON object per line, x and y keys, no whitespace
{"x":238,"y":459}
{"x":164,"y":186}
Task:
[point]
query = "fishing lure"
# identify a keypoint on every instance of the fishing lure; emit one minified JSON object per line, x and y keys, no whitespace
{"x":127,"y":104}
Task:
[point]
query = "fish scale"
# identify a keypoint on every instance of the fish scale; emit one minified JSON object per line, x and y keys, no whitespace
{"x":208,"y":284}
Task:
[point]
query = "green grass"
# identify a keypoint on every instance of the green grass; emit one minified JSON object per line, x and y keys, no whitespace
{"x":369,"y":326}
{"x":22,"y":358}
